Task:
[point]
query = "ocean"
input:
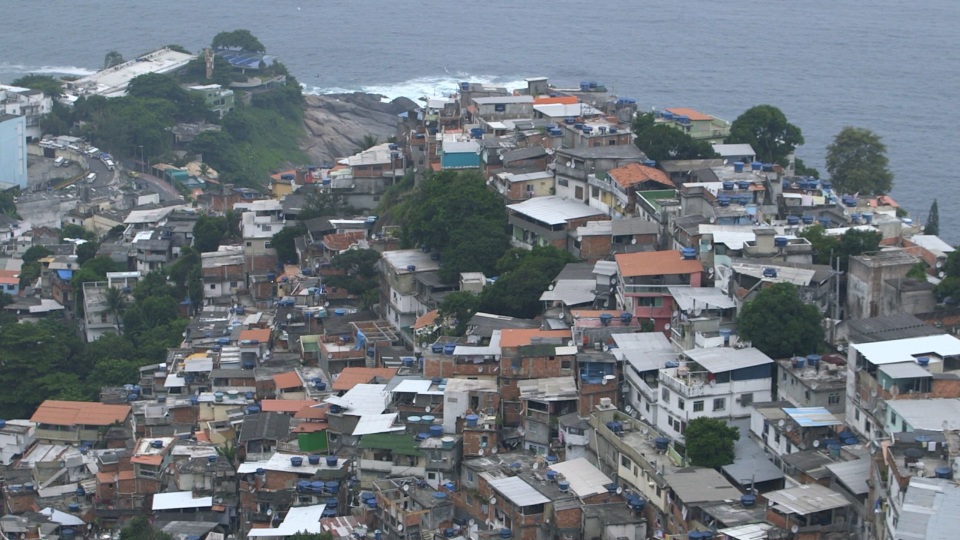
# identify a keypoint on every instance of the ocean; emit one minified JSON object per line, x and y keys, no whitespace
{"x":884,"y":65}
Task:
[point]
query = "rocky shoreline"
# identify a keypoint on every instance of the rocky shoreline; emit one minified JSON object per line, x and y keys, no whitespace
{"x":336,"y":124}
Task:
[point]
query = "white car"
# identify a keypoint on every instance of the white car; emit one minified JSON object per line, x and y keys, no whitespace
{"x":92,"y":151}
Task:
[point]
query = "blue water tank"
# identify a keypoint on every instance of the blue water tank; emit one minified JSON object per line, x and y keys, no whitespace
{"x":563,"y":485}
{"x":666,"y":115}
{"x":449,"y":348}
{"x":296,"y":461}
{"x":569,"y":120}
{"x":744,"y":184}
{"x":423,"y":436}
{"x":436,"y":348}
{"x":661,"y":443}
{"x":688,"y":253}
{"x":613,"y":129}
{"x":584,"y":86}
{"x":768,"y":167}
{"x":331,"y":461}
{"x":813,"y":360}
{"x":551,"y":475}
{"x":472,"y":420}
{"x":756,"y":166}
{"x":748,"y":501}
{"x":738,"y":167}
{"x":436,"y":431}
{"x":807,"y":219}
{"x":626,"y":317}
{"x":67,"y":533}
{"x":723,"y":201}
{"x":605,"y":318}
{"x":868,"y":218}
{"x":824,"y":222}
{"x":793,"y":220}
{"x":728,"y":186}
{"x":253,"y":409}
{"x":333,"y":486}
{"x":769,"y":272}
{"x":826,"y":184}
{"x":923,"y":361}
{"x":249,"y":364}
{"x":943,"y":472}
{"x":780,"y":241}
{"x":329,"y":512}
{"x":313,"y":459}
{"x":464,"y":86}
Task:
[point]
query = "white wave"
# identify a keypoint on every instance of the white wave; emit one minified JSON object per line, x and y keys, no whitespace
{"x":46,"y":70}
{"x":430,"y":86}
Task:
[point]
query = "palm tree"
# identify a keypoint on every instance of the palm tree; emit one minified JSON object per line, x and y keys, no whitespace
{"x":116,"y":303}
{"x":368,"y":141}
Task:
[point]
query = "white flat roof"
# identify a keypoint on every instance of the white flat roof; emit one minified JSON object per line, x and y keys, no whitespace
{"x":905,"y":370}
{"x":907,"y":350}
{"x":585,"y":479}
{"x":734,"y":150}
{"x":553,"y":210}
{"x":558,"y":110}
{"x":363,"y":399}
{"x":517,"y":490}
{"x":305,"y":519}
{"x":281,"y":462}
{"x":720,"y":359}
{"x":180,"y":499}
{"x":753,"y":531}
{"x":798,"y":276}
{"x":417,"y":386}
{"x":113,"y":81}
{"x":402,"y":258}
{"x":932,"y":243}
{"x":376,"y":423}
{"x":691,"y":298}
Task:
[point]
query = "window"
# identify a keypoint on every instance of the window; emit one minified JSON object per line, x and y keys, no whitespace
{"x":665,"y":395}
{"x":746,"y":399}
{"x":806,"y":395}
{"x":698,"y":405}
{"x":213,"y":286}
{"x":249,"y":244}
{"x":625,"y":461}
{"x":681,"y":404}
{"x":564,"y":364}
{"x":612,"y":142}
{"x":776,"y":438}
{"x":893,"y":418}
{"x":833,"y":399}
{"x":856,"y":414}
{"x":594,"y":192}
{"x":578,"y":193}
{"x":563,"y":182}
{"x":500,"y":107}
{"x":720,"y":404}
{"x":267,"y":245}
{"x":784,"y":376}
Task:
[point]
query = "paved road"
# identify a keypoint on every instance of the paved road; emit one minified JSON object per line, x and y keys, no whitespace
{"x":167,"y":192}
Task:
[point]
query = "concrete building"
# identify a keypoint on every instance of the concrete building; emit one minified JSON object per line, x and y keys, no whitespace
{"x":866,"y":279}
{"x":222,"y":272}
{"x":217,"y":98}
{"x":31,"y":104}
{"x":543,"y":221}
{"x":822,"y":384}
{"x":113,"y":81}
{"x":13,"y":151}
{"x":97,"y":319}
{"x":398,"y":285}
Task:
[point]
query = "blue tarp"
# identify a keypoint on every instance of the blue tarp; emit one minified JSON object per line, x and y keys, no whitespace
{"x":65,"y":275}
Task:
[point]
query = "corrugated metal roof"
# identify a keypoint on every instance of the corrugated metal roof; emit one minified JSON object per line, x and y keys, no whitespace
{"x":806,"y":499}
{"x":180,"y":500}
{"x":753,"y":531}
{"x":695,"y":485}
{"x":720,"y":359}
{"x":930,"y":511}
{"x":417,"y":386}
{"x":906,"y":350}
{"x":517,"y":490}
{"x":299,"y":519}
{"x":905,"y":370}
{"x":362,"y":399}
{"x":376,"y":423}
{"x":585,"y":479}
{"x":812,"y":417}
{"x":553,"y":210}
{"x":853,"y":474}
{"x":691,"y":298}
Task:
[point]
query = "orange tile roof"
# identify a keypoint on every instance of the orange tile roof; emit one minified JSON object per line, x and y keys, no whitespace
{"x":426,"y":319}
{"x":202,"y":436}
{"x":883,"y":200}
{"x":692,"y":114}
{"x":105,"y":477}
{"x":147,"y":460}
{"x":9,"y":280}
{"x":342,"y":241}
{"x":565,"y":100}
{"x":287,"y":380}
{"x":312,"y":413}
{"x":436,"y":167}
{"x":285,"y":405}
{"x":634,"y":173}
{"x":353,"y":376}
{"x":517,"y":337}
{"x":260,"y":334}
{"x":72,"y":413}
{"x":281,"y":173}
{"x":656,"y":263}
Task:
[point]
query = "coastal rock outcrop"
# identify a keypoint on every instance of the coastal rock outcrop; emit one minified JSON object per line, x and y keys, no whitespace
{"x":337,"y":123}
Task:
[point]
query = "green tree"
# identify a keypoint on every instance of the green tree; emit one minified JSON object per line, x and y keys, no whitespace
{"x":189,"y":105}
{"x":238,"y":39}
{"x":359,"y":267}
{"x":524,"y":275}
{"x":933,"y":220}
{"x":709,"y":442}
{"x":76,"y":232}
{"x":208,"y":232}
{"x":31,"y":352}
{"x":115,"y":302}
{"x":140,"y":528}
{"x":112,"y":58}
{"x":779,"y":324}
{"x":50,"y":86}
{"x":456,"y":309}
{"x":303,"y":535}
{"x":284,"y":241}
{"x":948,"y":290}
{"x":8,"y":203}
{"x":857,"y":162}
{"x":87,"y":251}
{"x":661,"y":142}
{"x":368,"y":141}
{"x":827,"y":248}
{"x":34,"y":254}
{"x":766,"y":129}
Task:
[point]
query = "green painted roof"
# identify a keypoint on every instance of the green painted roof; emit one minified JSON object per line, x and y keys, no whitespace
{"x":400,"y":443}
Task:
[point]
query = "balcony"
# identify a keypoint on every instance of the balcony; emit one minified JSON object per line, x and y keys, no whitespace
{"x":571,"y":172}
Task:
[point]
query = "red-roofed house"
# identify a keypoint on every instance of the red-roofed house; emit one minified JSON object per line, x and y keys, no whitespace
{"x":643,"y":279}
{"x":335,"y":244}
{"x":615,"y":191}
{"x":696,"y":124}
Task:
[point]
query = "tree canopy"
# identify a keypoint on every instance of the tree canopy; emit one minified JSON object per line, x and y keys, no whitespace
{"x":208,"y":231}
{"x":455,"y":214}
{"x":112,"y":58}
{"x":932,"y":225}
{"x":780,"y":324}
{"x":709,"y":442}
{"x":852,"y":242}
{"x":766,"y":129}
{"x":857,"y":162}
{"x":661,"y":142}
{"x":284,"y":242}
{"x":140,"y":528}
{"x":45,"y":83}
{"x":948,"y":290}
{"x":238,"y":39}
{"x":523,"y":276}
{"x":456,"y":309}
{"x":189,"y":105}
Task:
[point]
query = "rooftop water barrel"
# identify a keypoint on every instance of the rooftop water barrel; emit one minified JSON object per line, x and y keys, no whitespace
{"x":132,"y":397}
{"x":329,"y":512}
{"x":331,"y":502}
{"x":194,"y":400}
{"x":339,"y":312}
{"x":413,"y":422}
{"x":67,"y":533}
{"x":436,"y":431}
{"x":218,"y":397}
{"x":850,"y":441}
{"x":807,"y":219}
{"x":694,"y":535}
{"x":868,"y":217}
{"x":578,"y":126}
{"x":611,"y":487}
{"x":813,"y":360}
{"x":320,"y":385}
{"x":506,"y":533}
{"x":769,"y":272}
{"x":781,"y":241}
{"x":671,"y":364}
{"x":422,"y":436}
{"x":331,"y":461}
{"x":472,"y":420}
{"x":826,"y":184}
{"x":793,"y":220}
{"x":333,"y":486}
{"x":768,"y":167}
{"x":551,"y":475}
{"x":738,"y":167}
{"x":316,"y":486}
{"x":465,"y":86}
{"x":748,"y":501}
{"x":756,"y":166}
{"x":552,"y":458}
{"x":556,"y":132}
{"x":728,"y":186}
{"x":593,"y":85}
{"x":587,"y":129}
{"x":723,"y":201}
{"x":661,"y":443}
{"x":261,"y":472}
{"x":563,"y":485}
{"x":636,"y":503}
{"x":249,"y":395}
{"x":584,"y":86}
{"x":667,"y":115}
{"x":439,"y":495}
{"x":626,"y":317}
{"x":943,"y":472}
{"x":834,"y":450}
{"x":569,"y":120}
{"x":615,"y":426}
{"x":824,"y":222}
{"x":923,"y":361}
{"x":81,"y":492}
{"x":296,"y":461}
{"x":447,"y":442}
{"x":407,"y":361}
{"x":436,"y":348}
{"x":156,"y":444}
{"x":613,"y":129}
{"x":449,"y":348}
{"x":744,"y":184}
{"x":688,"y":253}
{"x":253,"y":409}
{"x":313,"y":459}
{"x":605,"y":318}
{"x":249,"y":364}
{"x":303,"y":485}
{"x":450,"y":486}
{"x":799,"y":362}
{"x":449,"y":532}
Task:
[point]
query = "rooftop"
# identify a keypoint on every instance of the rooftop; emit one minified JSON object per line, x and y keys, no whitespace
{"x":927,"y":414}
{"x":516,"y":337}
{"x":517,"y":490}
{"x":113,"y":81}
{"x":634,"y":173}
{"x":549,"y":389}
{"x":907,"y":350}
{"x":806,"y":499}
{"x":72,"y":413}
{"x":553,"y":210}
{"x":930,"y":511}
{"x":585,"y":479}
{"x":692,"y":114}
{"x":401,"y":260}
{"x":699,"y":485}
{"x":720,"y":359}
{"x":352,"y":376}
{"x":656,"y":263}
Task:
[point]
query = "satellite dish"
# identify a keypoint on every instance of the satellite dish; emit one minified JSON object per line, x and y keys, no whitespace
{"x":666,"y":326}
{"x":493,"y":500}
{"x":536,"y":465}
{"x":493,"y":451}
{"x":794,"y":529}
{"x":619,"y":490}
{"x":406,"y":488}
{"x":471,"y":523}
{"x":269,"y":511}
{"x":628,"y":409}
{"x":571,"y":343}
{"x":426,"y":409}
{"x":781,"y":422}
{"x":569,"y":164}
{"x":480,"y":452}
{"x":816,"y":444}
{"x":399,"y":527}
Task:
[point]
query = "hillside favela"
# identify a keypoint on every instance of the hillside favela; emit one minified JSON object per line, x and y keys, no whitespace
{"x":231,"y":309}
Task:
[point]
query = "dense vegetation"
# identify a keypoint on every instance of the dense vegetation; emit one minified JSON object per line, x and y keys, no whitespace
{"x":709,"y":442}
{"x":826,"y":249}
{"x":766,"y":129}
{"x":661,"y":142}
{"x":779,"y":324}
{"x":857,"y":162}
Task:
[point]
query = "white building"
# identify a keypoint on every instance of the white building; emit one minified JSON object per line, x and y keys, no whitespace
{"x":717,"y":382}
{"x":222,"y":271}
{"x":16,"y":436}
{"x":643,"y":355}
{"x":13,"y":151}
{"x":31,"y":104}
{"x":399,"y":302}
{"x":113,"y":81}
